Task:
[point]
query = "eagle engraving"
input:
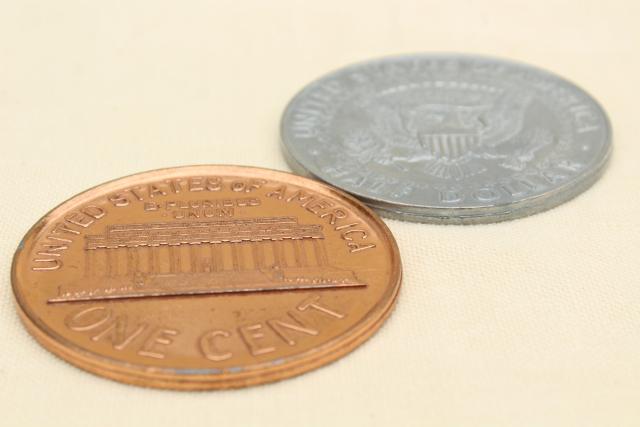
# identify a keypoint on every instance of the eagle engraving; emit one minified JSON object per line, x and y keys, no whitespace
{"x":447,"y":132}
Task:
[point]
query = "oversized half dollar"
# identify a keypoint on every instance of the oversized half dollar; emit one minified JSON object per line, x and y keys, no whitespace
{"x":448,"y":138}
{"x":206,"y":277}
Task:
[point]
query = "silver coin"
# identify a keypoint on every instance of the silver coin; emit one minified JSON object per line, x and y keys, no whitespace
{"x":448,"y":138}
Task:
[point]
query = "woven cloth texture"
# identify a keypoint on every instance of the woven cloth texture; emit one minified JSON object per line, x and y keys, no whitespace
{"x":533,"y":322}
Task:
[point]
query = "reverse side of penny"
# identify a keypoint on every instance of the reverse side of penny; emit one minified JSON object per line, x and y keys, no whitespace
{"x":206,"y":277}
{"x":448,"y":138}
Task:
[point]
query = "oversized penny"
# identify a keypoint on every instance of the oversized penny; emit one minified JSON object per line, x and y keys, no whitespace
{"x":206,"y":277}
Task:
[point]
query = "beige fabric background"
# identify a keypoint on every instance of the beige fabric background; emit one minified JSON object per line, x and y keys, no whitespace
{"x":534,"y":322}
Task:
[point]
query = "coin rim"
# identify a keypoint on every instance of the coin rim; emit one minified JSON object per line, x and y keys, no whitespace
{"x":195,"y":379}
{"x":463,"y":215}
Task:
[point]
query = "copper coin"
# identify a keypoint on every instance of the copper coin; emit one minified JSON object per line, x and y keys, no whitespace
{"x":206,"y":277}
